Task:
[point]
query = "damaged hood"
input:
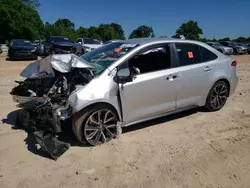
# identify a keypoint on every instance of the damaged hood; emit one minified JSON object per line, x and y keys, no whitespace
{"x":60,"y":62}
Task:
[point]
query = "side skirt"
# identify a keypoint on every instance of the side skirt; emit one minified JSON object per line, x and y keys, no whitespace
{"x":160,"y":115}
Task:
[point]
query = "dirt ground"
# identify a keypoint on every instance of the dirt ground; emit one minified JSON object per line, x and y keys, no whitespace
{"x":192,"y":149}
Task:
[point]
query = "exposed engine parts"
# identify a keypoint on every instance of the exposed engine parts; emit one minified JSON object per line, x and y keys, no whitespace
{"x":43,"y":97}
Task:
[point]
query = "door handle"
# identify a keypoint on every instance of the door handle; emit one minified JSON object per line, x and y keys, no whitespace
{"x":207,"y":68}
{"x":171,"y":77}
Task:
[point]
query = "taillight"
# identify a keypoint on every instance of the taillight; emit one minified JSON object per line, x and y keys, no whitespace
{"x":234,"y":63}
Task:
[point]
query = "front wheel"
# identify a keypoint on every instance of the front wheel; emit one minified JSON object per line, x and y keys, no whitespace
{"x":96,"y":125}
{"x":217,"y":96}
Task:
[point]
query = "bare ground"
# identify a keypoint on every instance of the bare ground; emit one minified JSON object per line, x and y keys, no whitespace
{"x":190,"y":149}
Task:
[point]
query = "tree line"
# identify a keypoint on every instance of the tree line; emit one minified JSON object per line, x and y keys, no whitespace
{"x":20,"y":19}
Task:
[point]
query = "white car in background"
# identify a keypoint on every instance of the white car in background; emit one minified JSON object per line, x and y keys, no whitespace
{"x":89,"y":44}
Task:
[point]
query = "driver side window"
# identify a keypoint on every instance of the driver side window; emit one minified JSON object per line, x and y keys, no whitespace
{"x":151,"y":60}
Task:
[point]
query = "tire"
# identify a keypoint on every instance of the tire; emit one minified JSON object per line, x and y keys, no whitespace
{"x":235,"y":52}
{"x":217,"y":96}
{"x":83,"y":127}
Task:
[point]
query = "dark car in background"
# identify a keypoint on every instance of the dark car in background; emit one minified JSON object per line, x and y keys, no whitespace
{"x":1,"y":51}
{"x":237,"y":48}
{"x":22,"y":49}
{"x":59,"y":45}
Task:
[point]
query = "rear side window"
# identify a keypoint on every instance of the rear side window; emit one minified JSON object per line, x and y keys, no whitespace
{"x":207,"y":55}
{"x":189,"y":54}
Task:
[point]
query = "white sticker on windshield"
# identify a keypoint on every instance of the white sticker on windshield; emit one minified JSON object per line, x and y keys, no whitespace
{"x":128,"y":45}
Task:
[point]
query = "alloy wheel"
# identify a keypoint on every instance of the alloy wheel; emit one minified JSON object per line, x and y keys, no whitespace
{"x":219,"y":96}
{"x":100,"y":127}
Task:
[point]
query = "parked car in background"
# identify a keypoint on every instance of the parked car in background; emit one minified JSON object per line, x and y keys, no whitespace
{"x":223,"y":49}
{"x":236,"y":47}
{"x":124,"y":83}
{"x":89,"y":44}
{"x":61,"y":45}
{"x":1,"y":51}
{"x":40,"y":46}
{"x":22,"y":49}
{"x":246,"y":46}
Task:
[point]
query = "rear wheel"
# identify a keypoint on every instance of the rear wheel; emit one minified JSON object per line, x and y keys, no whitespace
{"x":96,"y":125}
{"x":217,"y":96}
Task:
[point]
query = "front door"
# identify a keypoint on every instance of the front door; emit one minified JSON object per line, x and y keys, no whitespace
{"x":153,"y":90}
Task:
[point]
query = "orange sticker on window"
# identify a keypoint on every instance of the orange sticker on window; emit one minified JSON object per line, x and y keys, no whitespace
{"x":118,"y":50}
{"x":190,"y":55}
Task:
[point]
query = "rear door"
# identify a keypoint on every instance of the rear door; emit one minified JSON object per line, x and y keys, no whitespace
{"x":196,"y":68}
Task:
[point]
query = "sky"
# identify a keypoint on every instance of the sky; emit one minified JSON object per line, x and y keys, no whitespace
{"x":219,"y":18}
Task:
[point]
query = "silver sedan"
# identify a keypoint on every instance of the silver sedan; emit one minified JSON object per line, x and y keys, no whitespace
{"x":142,"y":79}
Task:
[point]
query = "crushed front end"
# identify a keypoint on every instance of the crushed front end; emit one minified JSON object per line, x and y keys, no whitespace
{"x":43,"y":97}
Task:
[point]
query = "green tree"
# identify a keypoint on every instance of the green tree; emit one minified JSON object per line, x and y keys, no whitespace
{"x":204,"y":40}
{"x":93,"y":32}
{"x":106,"y":32}
{"x":241,"y":40}
{"x":119,"y":33}
{"x":82,"y":32}
{"x":190,"y":30}
{"x":51,"y":30}
{"x":19,"y":19}
{"x":225,"y":39}
{"x":67,"y":28}
{"x":142,"y":32}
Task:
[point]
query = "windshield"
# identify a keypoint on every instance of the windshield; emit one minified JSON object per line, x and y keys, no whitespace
{"x":91,"y":41}
{"x":21,"y":43}
{"x":102,"y":57}
{"x":234,"y":44}
{"x":218,"y":45}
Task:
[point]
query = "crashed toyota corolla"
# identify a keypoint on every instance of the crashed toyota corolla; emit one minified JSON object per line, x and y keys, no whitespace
{"x":120,"y":84}
{"x":61,"y":86}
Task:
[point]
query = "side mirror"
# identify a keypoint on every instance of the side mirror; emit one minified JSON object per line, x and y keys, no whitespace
{"x":124,"y":73}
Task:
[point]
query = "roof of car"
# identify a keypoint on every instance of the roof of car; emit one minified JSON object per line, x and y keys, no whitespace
{"x":142,"y":41}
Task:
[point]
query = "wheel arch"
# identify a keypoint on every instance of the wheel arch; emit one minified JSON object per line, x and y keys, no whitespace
{"x":226,"y":81}
{"x":100,"y":103}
